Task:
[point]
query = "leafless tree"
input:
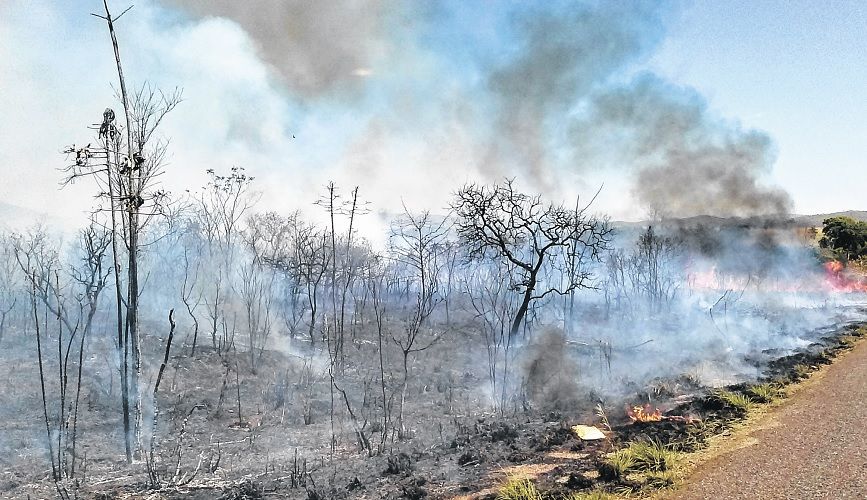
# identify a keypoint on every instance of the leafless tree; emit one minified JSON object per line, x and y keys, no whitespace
{"x":645,"y":278}
{"x":494,"y":304}
{"x":72,"y":303}
{"x":127,"y":166}
{"x":374,"y":281}
{"x":417,"y":243}
{"x":342,"y":274}
{"x":500,"y":222}
{"x":11,"y":284}
{"x":221,"y":208}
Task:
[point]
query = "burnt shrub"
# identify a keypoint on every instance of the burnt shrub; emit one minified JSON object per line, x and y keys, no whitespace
{"x":399,"y":464}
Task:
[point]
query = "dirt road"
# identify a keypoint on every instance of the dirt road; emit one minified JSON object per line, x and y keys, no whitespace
{"x":813,"y":446}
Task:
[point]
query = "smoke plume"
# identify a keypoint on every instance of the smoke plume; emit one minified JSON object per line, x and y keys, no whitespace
{"x":562,"y":56}
{"x":686,"y":161}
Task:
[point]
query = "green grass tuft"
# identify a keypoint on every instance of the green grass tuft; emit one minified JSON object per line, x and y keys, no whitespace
{"x":802,"y":371}
{"x":735,"y":400}
{"x":765,"y":393}
{"x":594,"y":495}
{"x":661,"y":479}
{"x":642,"y":456}
{"x":519,"y":489}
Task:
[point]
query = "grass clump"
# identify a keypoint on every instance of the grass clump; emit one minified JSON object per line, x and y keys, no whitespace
{"x":765,"y":393}
{"x":519,"y":489}
{"x":802,"y":371}
{"x":735,"y":400}
{"x":641,"y":456}
{"x":594,"y":495}
{"x":661,"y":479}
{"x":849,"y":340}
{"x":653,"y":456}
{"x":618,"y":464}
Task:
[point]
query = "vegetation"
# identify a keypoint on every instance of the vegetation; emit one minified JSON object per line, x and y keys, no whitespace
{"x":518,"y":489}
{"x":845,"y":236}
{"x":735,"y":400}
{"x":594,"y":495}
{"x":349,"y":352}
{"x":765,"y":393}
{"x":643,"y":456}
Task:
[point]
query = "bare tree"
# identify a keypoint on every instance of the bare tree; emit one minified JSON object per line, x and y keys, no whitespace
{"x":646,"y":278}
{"x":273,"y":241}
{"x":351,"y":208}
{"x":72,"y":304}
{"x":501,"y":222}
{"x":10,"y":282}
{"x":417,"y":243}
{"x":220,"y":210}
{"x":127,"y":167}
{"x":487,"y":287}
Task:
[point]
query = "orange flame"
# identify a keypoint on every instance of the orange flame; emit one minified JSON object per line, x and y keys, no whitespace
{"x":840,"y":279}
{"x":833,"y":276}
{"x":638,"y":413}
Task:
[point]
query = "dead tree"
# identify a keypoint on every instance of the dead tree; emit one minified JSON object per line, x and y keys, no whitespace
{"x":191,"y":293}
{"x":10,"y":282}
{"x":72,"y":305}
{"x":220,"y":210}
{"x":417,"y":243}
{"x":502,"y":223}
{"x":333,"y":205}
{"x":126,"y":166}
{"x":273,"y":241}
{"x":374,"y":281}
{"x":492,"y":301}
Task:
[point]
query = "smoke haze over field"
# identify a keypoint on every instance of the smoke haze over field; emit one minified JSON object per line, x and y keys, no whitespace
{"x":406,"y":101}
{"x":356,"y":235}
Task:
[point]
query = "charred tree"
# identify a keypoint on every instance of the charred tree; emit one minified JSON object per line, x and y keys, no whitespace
{"x":502,"y":223}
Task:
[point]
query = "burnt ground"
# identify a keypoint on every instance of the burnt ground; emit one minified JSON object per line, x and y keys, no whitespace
{"x":456,"y":449}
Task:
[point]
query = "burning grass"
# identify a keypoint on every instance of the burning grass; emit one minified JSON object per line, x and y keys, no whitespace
{"x":638,"y":413}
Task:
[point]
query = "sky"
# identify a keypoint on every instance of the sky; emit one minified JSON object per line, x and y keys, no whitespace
{"x":671,"y":108}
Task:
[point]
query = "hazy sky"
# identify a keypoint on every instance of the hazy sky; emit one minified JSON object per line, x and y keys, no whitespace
{"x":721,"y":107}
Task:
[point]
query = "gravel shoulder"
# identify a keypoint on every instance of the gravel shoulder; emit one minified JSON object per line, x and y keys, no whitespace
{"x":812,"y":446}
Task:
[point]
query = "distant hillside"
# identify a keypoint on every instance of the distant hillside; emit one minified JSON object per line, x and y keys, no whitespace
{"x":816,"y":220}
{"x":759,"y":221}
{"x":13,"y":217}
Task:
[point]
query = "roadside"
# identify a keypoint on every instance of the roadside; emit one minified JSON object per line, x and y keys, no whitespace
{"x":813,"y":445}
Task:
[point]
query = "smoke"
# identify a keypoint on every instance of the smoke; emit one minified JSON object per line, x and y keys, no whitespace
{"x":550,"y":372}
{"x":685,"y":161}
{"x":563,"y":55}
{"x":316,"y":47}
{"x":405,"y":102}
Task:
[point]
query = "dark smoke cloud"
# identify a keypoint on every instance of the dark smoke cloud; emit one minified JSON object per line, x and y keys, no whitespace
{"x":564,"y":53}
{"x":317,"y":47}
{"x":687,"y":162}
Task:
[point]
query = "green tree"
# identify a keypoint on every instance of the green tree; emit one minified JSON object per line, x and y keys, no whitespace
{"x":844,"y":235}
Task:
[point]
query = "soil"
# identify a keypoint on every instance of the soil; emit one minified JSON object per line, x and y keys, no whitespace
{"x":456,"y":450}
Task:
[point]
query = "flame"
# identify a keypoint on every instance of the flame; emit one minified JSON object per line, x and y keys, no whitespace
{"x":638,"y":413}
{"x":833,"y":276}
{"x":839,"y":279}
